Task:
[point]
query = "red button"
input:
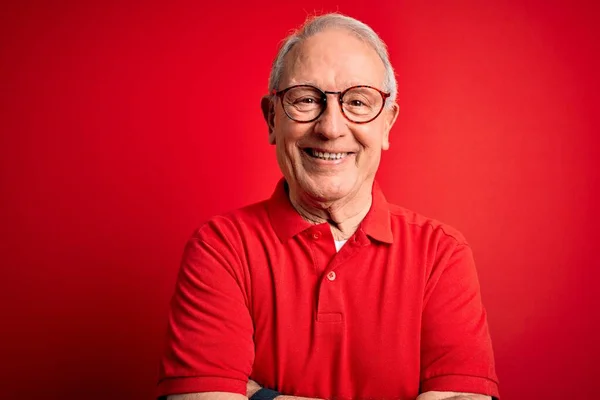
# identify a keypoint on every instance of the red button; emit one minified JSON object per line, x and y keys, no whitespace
{"x":316,"y":235}
{"x":331,"y":276}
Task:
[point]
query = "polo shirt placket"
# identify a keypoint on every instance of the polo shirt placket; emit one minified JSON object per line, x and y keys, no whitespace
{"x":330,"y":268}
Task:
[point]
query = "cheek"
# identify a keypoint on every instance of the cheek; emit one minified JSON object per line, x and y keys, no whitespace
{"x":376,"y":135}
{"x":369,"y":139}
{"x":287,"y":149}
{"x":289,"y":135}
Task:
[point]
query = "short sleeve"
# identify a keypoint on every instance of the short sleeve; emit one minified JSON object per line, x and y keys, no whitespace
{"x":456,"y":349}
{"x":209,"y":344}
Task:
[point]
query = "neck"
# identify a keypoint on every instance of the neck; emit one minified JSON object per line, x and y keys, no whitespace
{"x":343,"y":215}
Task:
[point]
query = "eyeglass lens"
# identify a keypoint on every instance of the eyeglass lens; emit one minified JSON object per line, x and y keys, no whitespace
{"x":306,"y":103}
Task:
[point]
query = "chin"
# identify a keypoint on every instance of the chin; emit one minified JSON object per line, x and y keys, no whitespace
{"x":328,"y":188}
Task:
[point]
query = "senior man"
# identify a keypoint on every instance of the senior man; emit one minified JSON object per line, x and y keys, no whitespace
{"x":326,"y":290}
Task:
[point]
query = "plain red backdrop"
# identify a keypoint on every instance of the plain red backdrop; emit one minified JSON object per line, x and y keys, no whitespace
{"x":126,"y":124}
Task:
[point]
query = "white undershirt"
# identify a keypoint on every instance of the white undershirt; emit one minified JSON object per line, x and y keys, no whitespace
{"x":339,"y":244}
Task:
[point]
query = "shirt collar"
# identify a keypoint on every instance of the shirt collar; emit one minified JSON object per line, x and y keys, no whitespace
{"x":288,"y":223}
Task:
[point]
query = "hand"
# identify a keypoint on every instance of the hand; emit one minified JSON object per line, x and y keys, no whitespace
{"x":468,"y":397}
{"x":452,"y":396}
{"x":251,"y":388}
{"x":459,"y":397}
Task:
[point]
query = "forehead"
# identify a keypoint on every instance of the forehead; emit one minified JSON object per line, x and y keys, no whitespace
{"x":333,"y":60}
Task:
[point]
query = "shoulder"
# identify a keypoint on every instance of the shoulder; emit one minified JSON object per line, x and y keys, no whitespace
{"x":437,"y":246}
{"x":405,"y":221}
{"x":225,"y":236}
{"x":234,"y":224}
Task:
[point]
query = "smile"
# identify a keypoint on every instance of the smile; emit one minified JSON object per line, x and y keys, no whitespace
{"x":325,"y":155}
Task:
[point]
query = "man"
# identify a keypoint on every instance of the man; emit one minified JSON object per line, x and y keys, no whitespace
{"x":326,"y":290}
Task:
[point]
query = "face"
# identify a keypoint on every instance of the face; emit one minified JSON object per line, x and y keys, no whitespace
{"x":333,"y":60}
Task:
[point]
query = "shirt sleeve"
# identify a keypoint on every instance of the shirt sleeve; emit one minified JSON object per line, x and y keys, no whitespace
{"x":456,"y":349}
{"x":209,"y":344}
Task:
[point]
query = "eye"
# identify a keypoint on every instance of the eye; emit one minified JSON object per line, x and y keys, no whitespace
{"x":356,"y":103}
{"x":306,"y":100}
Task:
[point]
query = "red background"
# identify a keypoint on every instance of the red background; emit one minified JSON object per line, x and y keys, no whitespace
{"x":125,"y":124}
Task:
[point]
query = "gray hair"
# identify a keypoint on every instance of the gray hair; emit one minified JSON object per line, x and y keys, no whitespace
{"x":317,"y":24}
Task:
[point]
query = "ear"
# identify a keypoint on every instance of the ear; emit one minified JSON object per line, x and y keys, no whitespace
{"x":390,"y":115}
{"x":268,"y":109}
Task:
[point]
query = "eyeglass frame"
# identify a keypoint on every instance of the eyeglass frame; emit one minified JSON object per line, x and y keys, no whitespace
{"x":281,"y":93}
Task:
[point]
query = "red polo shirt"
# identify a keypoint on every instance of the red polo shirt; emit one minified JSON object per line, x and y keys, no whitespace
{"x":263,"y":294}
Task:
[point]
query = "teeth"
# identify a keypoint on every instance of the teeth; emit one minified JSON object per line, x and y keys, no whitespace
{"x":328,"y":156}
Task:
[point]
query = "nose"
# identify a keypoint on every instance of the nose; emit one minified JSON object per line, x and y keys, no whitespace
{"x":332,"y":123}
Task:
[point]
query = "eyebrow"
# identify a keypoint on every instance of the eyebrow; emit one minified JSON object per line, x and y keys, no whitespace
{"x":348,"y":84}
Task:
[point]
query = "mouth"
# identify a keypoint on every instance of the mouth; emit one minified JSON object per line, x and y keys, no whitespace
{"x":324,"y":155}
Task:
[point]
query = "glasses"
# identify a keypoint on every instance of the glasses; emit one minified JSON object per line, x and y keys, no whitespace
{"x":306,"y":103}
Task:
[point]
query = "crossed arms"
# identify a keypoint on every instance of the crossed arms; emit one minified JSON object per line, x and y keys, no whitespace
{"x":253,"y":387}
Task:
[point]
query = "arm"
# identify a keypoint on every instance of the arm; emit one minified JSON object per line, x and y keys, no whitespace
{"x":208,"y":396}
{"x":254,"y":387}
{"x":209,"y":346}
{"x":251,"y":388}
{"x":202,"y":335}
{"x":456,"y":349}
